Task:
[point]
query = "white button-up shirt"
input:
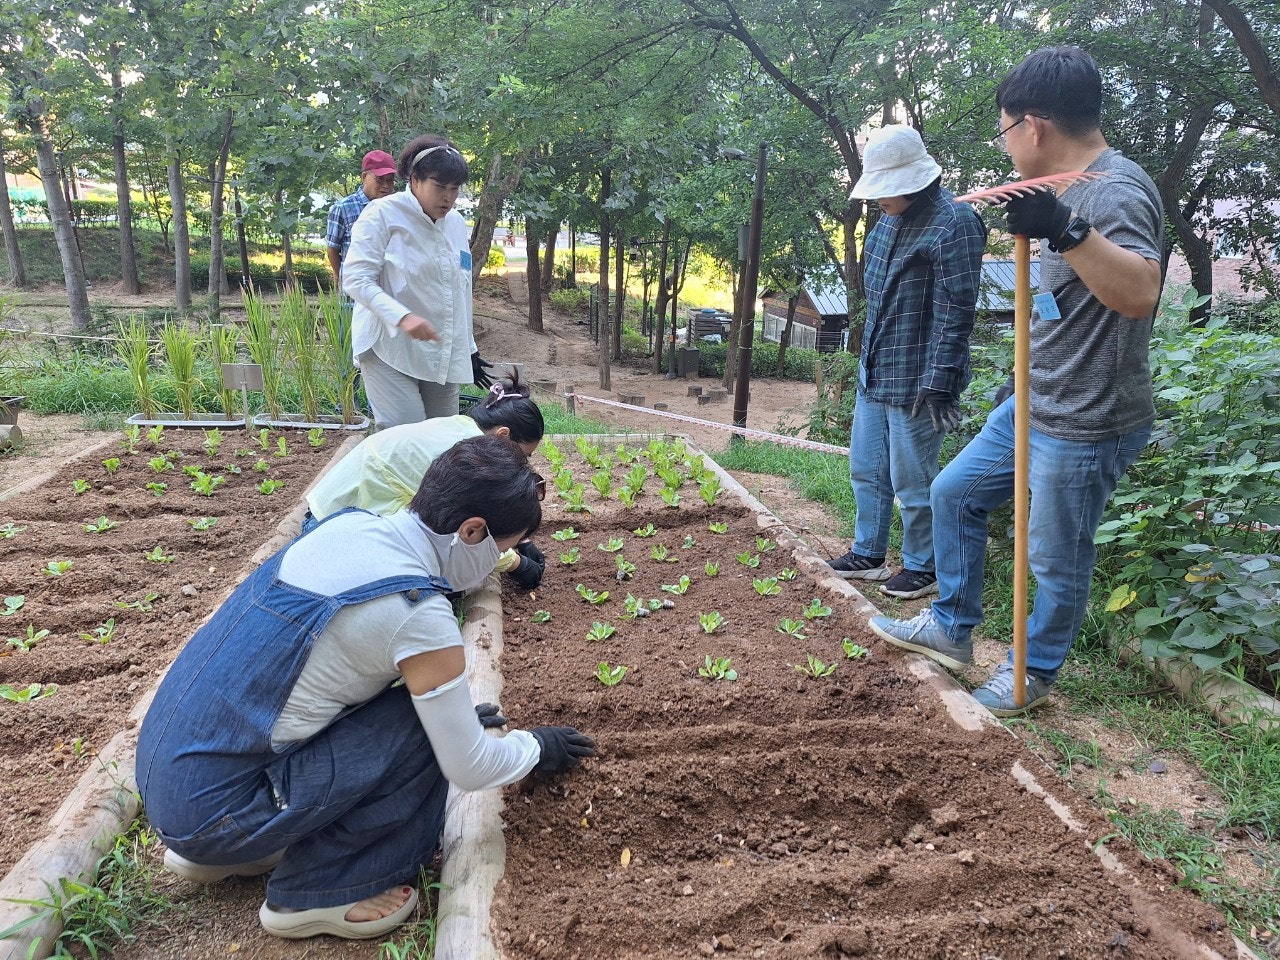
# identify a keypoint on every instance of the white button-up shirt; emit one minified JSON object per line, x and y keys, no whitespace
{"x":401,"y":262}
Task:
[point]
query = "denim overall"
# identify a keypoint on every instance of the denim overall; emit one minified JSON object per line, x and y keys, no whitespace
{"x":358,"y":808}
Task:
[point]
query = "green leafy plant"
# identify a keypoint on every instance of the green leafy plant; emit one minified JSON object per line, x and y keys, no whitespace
{"x":303,"y":350}
{"x":204,"y":523}
{"x":191,"y":470}
{"x":80,"y":486}
{"x":26,"y":694}
{"x":233,"y":469}
{"x":662,"y":554}
{"x":792,"y":628}
{"x":157,"y":555}
{"x":574,"y":500}
{"x":572,"y":556}
{"x":716,"y":526}
{"x":603,"y":483}
{"x":764,"y":544}
{"x":688,"y":543}
{"x":268,"y":487}
{"x":601,"y":631}
{"x":56,"y":568}
{"x":608,"y":675}
{"x":563,"y":481}
{"x":767,"y":587}
{"x":315,"y":437}
{"x":264,"y":439}
{"x":265,"y":348}
{"x":709,"y":490}
{"x":540,"y":616}
{"x":157,"y":488}
{"x":111,"y":465}
{"x":568,"y":533}
{"x":25,"y":643}
{"x":711,"y":622}
{"x":104,"y":633}
{"x":815,"y":668}
{"x":222,"y":344}
{"x":679,"y":588}
{"x":853,"y":651}
{"x":133,"y":346}
{"x":101,"y":525}
{"x":342,"y":372}
{"x":613,"y":546}
{"x":160,"y":464}
{"x":711,"y":568}
{"x":627,"y":496}
{"x":145,"y":604}
{"x":155,"y":433}
{"x":636,"y":477}
{"x":625,"y":455}
{"x":816,"y":610}
{"x":13,"y":604}
{"x":205,"y":484}
{"x":132,"y":437}
{"x":282,"y":446}
{"x":648,"y":530}
{"x":212,"y":441}
{"x":717,"y":668}
{"x":261,"y":467}
{"x":626,"y":569}
{"x":592,"y":596}
{"x":670,"y":478}
{"x":748,"y":559}
{"x":788,"y":573}
{"x":8,"y":531}
{"x":179,"y":344}
{"x":669,"y":496}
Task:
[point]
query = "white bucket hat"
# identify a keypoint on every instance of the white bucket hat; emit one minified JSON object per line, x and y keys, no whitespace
{"x":894,"y":164}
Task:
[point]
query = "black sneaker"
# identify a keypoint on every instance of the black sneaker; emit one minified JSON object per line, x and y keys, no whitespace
{"x":910,"y":584}
{"x":854,"y":566}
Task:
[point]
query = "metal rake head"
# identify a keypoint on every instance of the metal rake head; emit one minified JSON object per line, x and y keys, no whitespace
{"x":1007,"y":191}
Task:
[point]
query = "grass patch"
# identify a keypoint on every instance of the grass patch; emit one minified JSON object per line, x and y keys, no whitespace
{"x":820,"y":477}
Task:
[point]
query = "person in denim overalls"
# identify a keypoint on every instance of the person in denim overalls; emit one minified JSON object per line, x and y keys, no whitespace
{"x":277,"y":740}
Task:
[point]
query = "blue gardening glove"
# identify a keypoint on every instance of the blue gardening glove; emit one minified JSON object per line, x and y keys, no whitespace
{"x":944,"y":411}
{"x":1004,"y":393}
{"x":533,"y":563}
{"x":478,"y":375}
{"x":1040,"y":215}
{"x":562,"y":749}
{"x":490,"y":715}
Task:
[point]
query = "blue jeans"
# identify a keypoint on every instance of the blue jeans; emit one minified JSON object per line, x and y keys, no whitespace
{"x":1071,"y":482}
{"x":892,"y":452}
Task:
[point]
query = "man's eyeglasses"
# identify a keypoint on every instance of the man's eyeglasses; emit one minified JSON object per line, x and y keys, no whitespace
{"x":999,"y":139}
{"x":540,"y":485}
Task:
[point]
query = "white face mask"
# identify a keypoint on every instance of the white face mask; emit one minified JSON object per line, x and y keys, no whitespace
{"x":463,"y":564}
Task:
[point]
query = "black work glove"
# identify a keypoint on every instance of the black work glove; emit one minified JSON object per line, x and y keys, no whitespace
{"x":1004,"y":393}
{"x":533,"y":563}
{"x":478,"y":375}
{"x":490,"y":715}
{"x":944,"y":411}
{"x":1039,"y":215}
{"x":562,"y":749}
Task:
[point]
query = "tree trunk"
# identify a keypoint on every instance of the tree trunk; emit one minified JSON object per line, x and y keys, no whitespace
{"x":218,"y":282}
{"x":533,"y":272}
{"x":620,"y":295}
{"x":59,"y":215}
{"x":286,"y":244}
{"x":784,"y":341}
{"x":17,"y":270}
{"x":549,"y":260}
{"x":497,"y":187}
{"x":181,"y":233}
{"x":605,"y":337}
{"x":660,"y":304}
{"x":124,"y":207}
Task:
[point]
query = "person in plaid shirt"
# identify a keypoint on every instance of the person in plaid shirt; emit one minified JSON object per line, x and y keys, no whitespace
{"x":377,"y":179}
{"x":923,"y":261}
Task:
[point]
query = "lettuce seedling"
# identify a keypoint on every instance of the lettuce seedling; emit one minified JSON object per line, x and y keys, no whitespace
{"x":748,"y":559}
{"x":636,"y":477}
{"x":601,"y":631}
{"x":764,"y":544}
{"x":574,"y":500}
{"x":25,"y":644}
{"x":613,"y":546}
{"x":792,"y":628}
{"x":101,"y":634}
{"x":111,"y":465}
{"x":26,"y":694}
{"x":710,"y":622}
{"x":709,"y":490}
{"x":155,"y":433}
{"x":767,"y":587}
{"x":212,"y":441}
{"x":160,"y":464}
{"x":132,"y":434}
{"x":56,"y":568}
{"x":204,"y":523}
{"x":603,"y":483}
{"x":8,"y":531}
{"x":669,"y":496}
{"x":157,"y":555}
{"x":853,"y":651}
{"x":204,"y":483}
{"x":610,"y":676}
{"x":711,"y":569}
{"x":815,"y":668}
{"x":80,"y":486}
{"x":787,"y":573}
{"x":157,"y":488}
{"x":261,"y":467}
{"x":648,"y":530}
{"x":268,"y":487}
{"x":568,"y":533}
{"x":264,"y":439}
{"x":282,"y":447}
{"x":572,"y":557}
{"x":591,"y":596}
{"x":101,"y":525}
{"x":315,"y":437}
{"x":717,"y":527}
{"x":717,"y":669}
{"x":679,"y":588}
{"x":13,"y":604}
{"x":144,"y":604}
{"x":540,"y":616}
{"x":627,"y":496}
{"x":816,"y":609}
{"x":625,"y":568}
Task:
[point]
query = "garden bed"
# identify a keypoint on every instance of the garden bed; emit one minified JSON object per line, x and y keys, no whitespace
{"x":127,"y":597}
{"x":873,"y":811}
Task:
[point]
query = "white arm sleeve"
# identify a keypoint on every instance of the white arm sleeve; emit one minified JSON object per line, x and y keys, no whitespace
{"x":468,"y":758}
{"x":362,"y":272}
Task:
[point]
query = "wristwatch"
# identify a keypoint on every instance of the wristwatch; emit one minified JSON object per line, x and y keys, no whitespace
{"x":1072,"y":236}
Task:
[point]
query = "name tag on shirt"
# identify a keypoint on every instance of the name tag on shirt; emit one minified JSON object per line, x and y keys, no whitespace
{"x":1046,"y":306}
{"x":464,"y":259}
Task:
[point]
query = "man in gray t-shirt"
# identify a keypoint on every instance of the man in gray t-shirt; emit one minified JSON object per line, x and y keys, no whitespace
{"x":1090,"y":399}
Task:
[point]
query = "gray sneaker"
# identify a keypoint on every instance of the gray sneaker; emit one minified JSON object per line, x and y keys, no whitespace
{"x":854,"y":566}
{"x":997,"y":693}
{"x":923,"y":635}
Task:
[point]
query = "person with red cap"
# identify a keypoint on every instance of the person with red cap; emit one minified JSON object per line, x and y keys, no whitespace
{"x":377,"y":179}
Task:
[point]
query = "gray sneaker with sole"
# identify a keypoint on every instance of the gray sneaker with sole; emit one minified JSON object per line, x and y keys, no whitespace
{"x":854,"y":566}
{"x":923,"y":635}
{"x":997,"y":693}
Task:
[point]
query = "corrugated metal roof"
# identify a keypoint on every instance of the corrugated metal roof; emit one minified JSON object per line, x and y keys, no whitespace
{"x":829,"y":297}
{"x":995,"y":290}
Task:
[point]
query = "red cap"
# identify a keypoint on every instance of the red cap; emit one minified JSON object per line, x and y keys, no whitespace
{"x":378,"y":163}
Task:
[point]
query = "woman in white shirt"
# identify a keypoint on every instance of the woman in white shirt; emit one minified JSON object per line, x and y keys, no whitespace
{"x":409,"y":272}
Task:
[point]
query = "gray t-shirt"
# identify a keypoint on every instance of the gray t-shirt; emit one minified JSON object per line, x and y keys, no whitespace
{"x":1090,"y":372}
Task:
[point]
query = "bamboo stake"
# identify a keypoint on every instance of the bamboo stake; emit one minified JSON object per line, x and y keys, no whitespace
{"x":1021,"y":458}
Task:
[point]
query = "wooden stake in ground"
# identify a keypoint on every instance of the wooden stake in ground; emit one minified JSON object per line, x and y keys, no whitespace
{"x":1022,"y":407}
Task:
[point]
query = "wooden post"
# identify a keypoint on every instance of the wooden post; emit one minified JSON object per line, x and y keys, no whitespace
{"x":1021,"y":458}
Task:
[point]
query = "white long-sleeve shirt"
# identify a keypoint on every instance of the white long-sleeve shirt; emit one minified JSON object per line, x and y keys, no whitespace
{"x":401,"y":261}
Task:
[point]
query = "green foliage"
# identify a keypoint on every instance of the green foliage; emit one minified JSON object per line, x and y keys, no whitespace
{"x":711,"y":622}
{"x":610,"y":676}
{"x":815,"y":668}
{"x":717,"y":668}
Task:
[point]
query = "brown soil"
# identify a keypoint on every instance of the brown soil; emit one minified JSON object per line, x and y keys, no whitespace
{"x":50,"y":741}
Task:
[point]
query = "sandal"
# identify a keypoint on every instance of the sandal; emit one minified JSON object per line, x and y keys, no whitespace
{"x":205,"y":873}
{"x":297,"y":924}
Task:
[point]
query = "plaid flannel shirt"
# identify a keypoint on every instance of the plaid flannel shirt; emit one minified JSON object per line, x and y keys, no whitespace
{"x":342,"y":217}
{"x":922,"y":274}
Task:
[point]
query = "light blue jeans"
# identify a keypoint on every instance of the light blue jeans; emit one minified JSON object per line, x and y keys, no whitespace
{"x":1071,"y":482}
{"x":893,"y":453}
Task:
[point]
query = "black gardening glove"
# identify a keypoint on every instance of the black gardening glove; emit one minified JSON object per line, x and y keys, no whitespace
{"x":478,"y":367}
{"x":1004,"y":393}
{"x":1040,"y":215}
{"x":533,"y":562}
{"x":944,"y":411}
{"x":562,"y":749}
{"x":490,"y":715}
